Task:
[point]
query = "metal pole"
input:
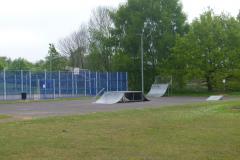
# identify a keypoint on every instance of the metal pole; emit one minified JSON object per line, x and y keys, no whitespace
{"x":50,"y":66}
{"x":110,"y":80}
{"x":107,"y":81}
{"x":117,"y":81}
{"x":142,"y":64}
{"x":38,"y":90}
{"x":90,"y":85}
{"x":45,"y":82}
{"x":54,"y":95}
{"x":72,"y":85}
{"x":15,"y":83}
{"x":30,"y":84}
{"x":26,"y":84}
{"x":21,"y":81}
{"x":85,"y":82}
{"x":96,"y":84}
{"x":120,"y":81}
{"x":76,"y":85}
{"x":4,"y":84}
{"x":127,"y":81}
{"x":59,"y":83}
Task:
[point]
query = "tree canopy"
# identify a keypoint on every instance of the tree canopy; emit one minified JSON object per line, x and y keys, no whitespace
{"x":210,"y":50}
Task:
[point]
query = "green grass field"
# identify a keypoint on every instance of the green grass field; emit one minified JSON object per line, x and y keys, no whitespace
{"x":209,"y":131}
{"x":45,"y":101}
{"x":4,"y":117}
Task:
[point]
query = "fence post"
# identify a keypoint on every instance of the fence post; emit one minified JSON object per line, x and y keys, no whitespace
{"x":15,"y":83}
{"x":127,"y":81}
{"x":4,"y":84}
{"x":30,"y":84}
{"x":38,"y":90}
{"x":26,"y":83}
{"x":59,"y":83}
{"x":76,"y":85}
{"x":45,"y":82}
{"x":107,"y":81}
{"x":110,"y":80}
{"x":90,"y":83}
{"x":117,"y":81}
{"x":85,"y":82}
{"x":96,"y":84}
{"x":72,"y":85}
{"x":54,"y":95}
{"x":21,"y":80}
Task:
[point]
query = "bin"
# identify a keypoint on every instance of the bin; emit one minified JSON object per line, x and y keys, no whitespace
{"x":24,"y":95}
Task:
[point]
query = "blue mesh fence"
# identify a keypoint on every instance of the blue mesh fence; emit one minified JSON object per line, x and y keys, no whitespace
{"x":48,"y":85}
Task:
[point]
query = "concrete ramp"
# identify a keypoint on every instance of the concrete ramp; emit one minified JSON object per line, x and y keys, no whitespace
{"x":158,"y":90}
{"x":215,"y":98}
{"x":121,"y":97}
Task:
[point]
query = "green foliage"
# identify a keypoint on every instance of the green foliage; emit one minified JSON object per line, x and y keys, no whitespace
{"x":100,"y":47}
{"x":54,"y":61}
{"x":4,"y":62}
{"x":159,"y":21}
{"x":210,"y":50}
{"x":94,"y":62}
{"x":20,"y":64}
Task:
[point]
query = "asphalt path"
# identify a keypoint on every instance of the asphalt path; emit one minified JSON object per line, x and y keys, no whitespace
{"x":77,"y":107}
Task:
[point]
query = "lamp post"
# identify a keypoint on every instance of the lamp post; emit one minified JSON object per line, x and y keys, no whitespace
{"x":142,"y":64}
{"x":142,"y":60}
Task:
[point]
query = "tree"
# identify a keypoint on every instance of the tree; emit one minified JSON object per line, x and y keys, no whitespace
{"x":159,"y":21}
{"x":54,"y":61}
{"x":238,"y":16}
{"x":211,"y":48}
{"x":4,"y":62}
{"x":100,"y":47}
{"x":75,"y":47}
{"x":20,"y":64}
{"x":39,"y":65}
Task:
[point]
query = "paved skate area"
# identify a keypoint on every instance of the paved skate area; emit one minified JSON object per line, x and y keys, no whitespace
{"x":77,"y":107}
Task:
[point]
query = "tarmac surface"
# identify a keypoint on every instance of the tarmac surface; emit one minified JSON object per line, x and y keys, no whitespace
{"x":77,"y":107}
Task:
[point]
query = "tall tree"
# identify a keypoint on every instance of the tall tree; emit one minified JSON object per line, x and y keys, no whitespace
{"x":101,"y":49}
{"x":211,"y":48}
{"x":55,"y":61}
{"x":159,"y":21}
{"x":75,"y":46}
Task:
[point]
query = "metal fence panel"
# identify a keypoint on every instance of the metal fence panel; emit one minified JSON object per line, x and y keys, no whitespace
{"x":48,"y":85}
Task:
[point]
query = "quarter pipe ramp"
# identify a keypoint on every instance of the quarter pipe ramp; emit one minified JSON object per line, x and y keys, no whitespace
{"x":158,"y":90}
{"x":121,"y":97}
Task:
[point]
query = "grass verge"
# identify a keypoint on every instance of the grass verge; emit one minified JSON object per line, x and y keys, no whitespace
{"x":47,"y":100}
{"x":203,"y":131}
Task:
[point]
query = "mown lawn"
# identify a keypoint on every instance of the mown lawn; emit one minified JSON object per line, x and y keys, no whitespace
{"x":4,"y":117}
{"x":45,"y":101}
{"x":194,"y":132}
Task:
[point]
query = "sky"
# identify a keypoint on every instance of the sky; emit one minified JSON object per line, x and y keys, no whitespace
{"x":28,"y":26}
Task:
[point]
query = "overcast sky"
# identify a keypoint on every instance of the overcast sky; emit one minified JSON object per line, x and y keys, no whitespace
{"x":28,"y":26}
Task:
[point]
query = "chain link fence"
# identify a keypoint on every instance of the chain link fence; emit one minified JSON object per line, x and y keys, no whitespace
{"x":61,"y":84}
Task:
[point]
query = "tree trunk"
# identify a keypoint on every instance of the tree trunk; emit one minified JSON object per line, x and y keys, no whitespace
{"x":209,"y":83}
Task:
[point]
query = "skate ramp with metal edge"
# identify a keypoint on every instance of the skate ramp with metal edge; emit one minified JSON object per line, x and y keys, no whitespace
{"x":215,"y":98}
{"x":158,"y":90}
{"x":121,"y":97}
